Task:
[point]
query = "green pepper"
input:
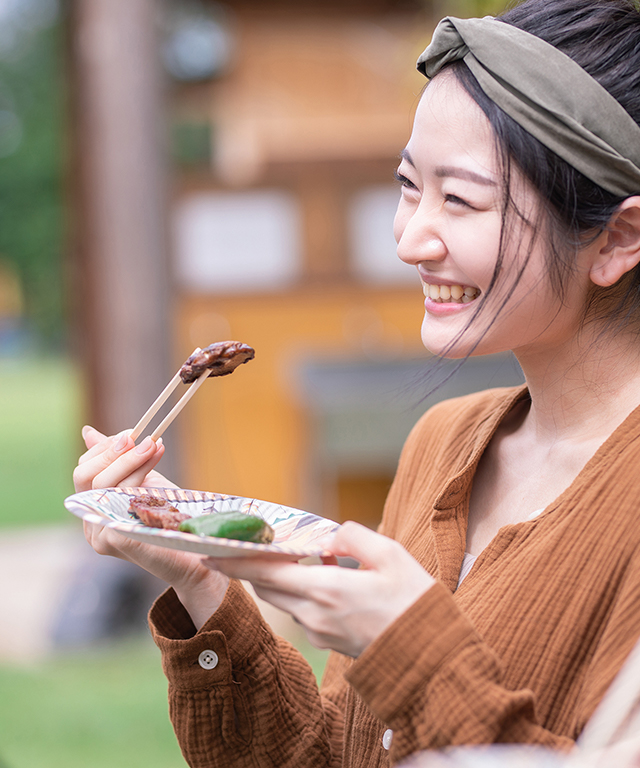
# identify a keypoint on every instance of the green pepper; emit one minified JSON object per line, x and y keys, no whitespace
{"x":230,"y":525}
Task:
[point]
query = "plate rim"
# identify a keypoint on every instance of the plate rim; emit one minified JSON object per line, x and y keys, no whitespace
{"x":76,"y":504}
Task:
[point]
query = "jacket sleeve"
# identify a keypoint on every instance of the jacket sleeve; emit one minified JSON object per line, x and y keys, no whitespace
{"x":431,"y":678}
{"x":434,"y":681}
{"x":239,"y":695}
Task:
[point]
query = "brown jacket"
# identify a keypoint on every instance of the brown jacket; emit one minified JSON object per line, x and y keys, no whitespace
{"x":521,"y":652}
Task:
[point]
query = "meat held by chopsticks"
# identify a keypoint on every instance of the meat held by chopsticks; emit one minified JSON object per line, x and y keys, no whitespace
{"x":156,"y":513}
{"x":219,"y":359}
{"x":222,"y":358}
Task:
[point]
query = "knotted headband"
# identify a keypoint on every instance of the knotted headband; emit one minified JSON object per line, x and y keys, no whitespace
{"x":548,"y":94}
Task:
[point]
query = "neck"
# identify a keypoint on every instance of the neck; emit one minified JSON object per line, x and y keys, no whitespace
{"x":584,"y":389}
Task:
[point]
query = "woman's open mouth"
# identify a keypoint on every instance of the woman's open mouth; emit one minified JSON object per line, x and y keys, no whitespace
{"x":450,"y":294}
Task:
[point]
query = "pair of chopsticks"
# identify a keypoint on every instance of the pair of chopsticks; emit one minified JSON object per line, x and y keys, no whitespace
{"x":162,"y":398}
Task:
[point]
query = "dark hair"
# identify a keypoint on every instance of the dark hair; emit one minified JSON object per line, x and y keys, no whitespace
{"x":603,"y":36}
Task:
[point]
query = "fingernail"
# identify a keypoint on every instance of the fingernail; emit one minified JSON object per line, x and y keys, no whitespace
{"x":85,"y":430}
{"x":159,"y":442}
{"x":121,"y":442}
{"x":144,"y":445}
{"x":326,"y":541}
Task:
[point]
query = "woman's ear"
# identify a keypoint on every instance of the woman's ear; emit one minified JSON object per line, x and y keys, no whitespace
{"x":620,"y":251}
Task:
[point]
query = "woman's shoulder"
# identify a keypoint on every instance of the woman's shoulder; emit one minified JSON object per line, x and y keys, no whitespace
{"x":440,"y":444}
{"x":467,"y":412}
{"x":449,"y":431}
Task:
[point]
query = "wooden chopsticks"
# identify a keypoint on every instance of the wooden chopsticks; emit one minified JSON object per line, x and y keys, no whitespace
{"x":155,"y":406}
{"x":180,"y":404}
{"x":162,"y":398}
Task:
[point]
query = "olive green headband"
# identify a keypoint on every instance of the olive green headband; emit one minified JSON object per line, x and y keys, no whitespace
{"x":548,"y":94}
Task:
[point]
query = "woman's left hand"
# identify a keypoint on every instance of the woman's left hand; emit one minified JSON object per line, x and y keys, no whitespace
{"x":344,"y":609}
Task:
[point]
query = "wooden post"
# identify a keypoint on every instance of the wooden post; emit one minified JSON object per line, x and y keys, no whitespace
{"x":120,"y":246}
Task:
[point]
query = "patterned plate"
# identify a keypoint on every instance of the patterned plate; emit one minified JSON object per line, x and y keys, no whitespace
{"x":296,"y":532}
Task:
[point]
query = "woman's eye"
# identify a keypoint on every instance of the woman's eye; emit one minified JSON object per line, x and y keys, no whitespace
{"x":404,"y":180}
{"x":457,"y":200}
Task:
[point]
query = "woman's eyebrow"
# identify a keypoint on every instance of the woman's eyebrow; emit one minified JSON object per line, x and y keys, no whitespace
{"x":452,"y":170}
{"x":406,"y":156}
{"x":465,"y":174}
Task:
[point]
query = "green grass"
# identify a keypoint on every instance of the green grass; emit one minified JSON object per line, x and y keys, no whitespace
{"x":105,"y":706}
{"x":101,"y":708}
{"x":40,"y":406}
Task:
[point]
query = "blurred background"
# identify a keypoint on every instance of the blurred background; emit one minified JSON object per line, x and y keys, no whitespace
{"x":174,"y":173}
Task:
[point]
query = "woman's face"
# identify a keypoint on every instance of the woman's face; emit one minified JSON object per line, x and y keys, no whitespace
{"x":449,"y":224}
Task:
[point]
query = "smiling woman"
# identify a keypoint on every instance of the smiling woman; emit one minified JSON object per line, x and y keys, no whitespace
{"x":449,"y":219}
{"x":477,"y":241}
{"x":474,"y":617}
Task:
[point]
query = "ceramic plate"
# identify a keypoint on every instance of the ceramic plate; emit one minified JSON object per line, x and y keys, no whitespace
{"x":296,"y":532}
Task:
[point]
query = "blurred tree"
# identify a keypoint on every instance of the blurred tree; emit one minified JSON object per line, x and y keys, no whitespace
{"x":467,"y":8}
{"x":31,"y":158}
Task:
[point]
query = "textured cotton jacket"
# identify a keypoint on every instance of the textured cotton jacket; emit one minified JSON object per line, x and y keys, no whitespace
{"x":522,"y":651}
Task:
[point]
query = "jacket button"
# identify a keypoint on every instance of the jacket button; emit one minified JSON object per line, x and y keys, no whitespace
{"x":386,"y":738}
{"x":208,"y":659}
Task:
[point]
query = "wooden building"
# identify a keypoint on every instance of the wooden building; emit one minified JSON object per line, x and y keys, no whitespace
{"x":284,"y":120}
{"x":283,"y":240}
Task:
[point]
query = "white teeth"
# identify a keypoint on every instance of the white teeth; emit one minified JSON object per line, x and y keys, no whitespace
{"x":453,"y":294}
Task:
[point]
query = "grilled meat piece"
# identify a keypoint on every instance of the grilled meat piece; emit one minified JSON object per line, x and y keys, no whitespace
{"x":156,"y":513}
{"x":222,"y":358}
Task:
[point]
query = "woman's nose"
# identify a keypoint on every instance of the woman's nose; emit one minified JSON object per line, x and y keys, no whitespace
{"x":418,"y":238}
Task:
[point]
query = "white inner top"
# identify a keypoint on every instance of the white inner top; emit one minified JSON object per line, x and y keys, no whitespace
{"x":469,"y":560}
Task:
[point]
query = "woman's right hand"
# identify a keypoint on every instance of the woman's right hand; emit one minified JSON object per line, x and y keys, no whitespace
{"x":116,"y":461}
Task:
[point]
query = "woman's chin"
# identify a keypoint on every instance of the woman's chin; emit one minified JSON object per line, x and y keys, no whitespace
{"x":448,"y":348}
{"x":457,"y":341}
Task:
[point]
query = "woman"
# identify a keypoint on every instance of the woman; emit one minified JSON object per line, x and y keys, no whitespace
{"x":499,"y":598}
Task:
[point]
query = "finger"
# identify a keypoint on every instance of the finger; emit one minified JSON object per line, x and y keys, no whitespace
{"x":91,"y":436}
{"x":285,"y":577}
{"x":111,"y":466}
{"x":85,"y":473}
{"x":366,"y":546}
{"x":94,"y":446}
{"x":102,"y":539}
{"x":99,"y":443}
{"x":155,"y":480}
{"x":321,"y":628}
{"x":124,"y":464}
{"x":291,"y":604}
{"x":324,"y":542}
{"x":249,"y":569}
{"x":137,"y":478}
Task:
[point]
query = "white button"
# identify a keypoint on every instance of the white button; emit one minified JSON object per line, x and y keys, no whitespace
{"x":386,"y":738}
{"x":208,"y":659}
